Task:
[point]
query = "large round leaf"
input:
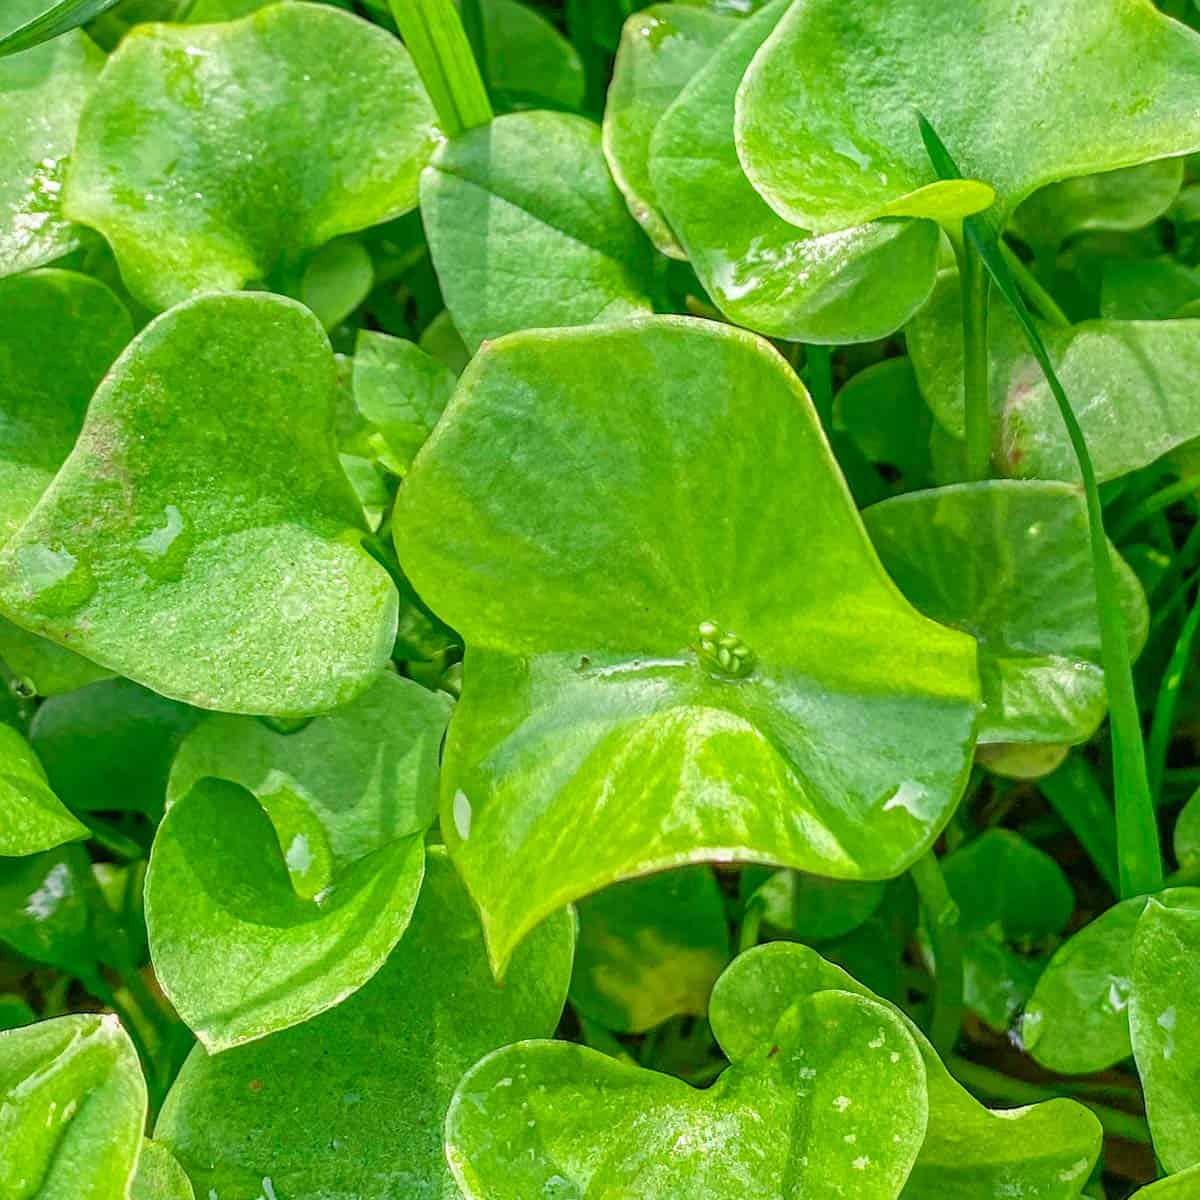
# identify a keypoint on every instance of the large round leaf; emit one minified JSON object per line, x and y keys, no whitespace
{"x":680,"y":643}
{"x":827,"y":126}
{"x":1042,"y":1152}
{"x":1010,"y":562}
{"x":32,"y":817}
{"x":352,"y":1102}
{"x":73,"y":1111}
{"x":201,"y":538}
{"x":527,"y":228}
{"x":212,"y":156}
{"x":804,"y":1116}
{"x":761,"y":270}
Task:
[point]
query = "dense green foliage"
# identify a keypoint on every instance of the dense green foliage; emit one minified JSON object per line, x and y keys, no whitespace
{"x":597,"y":600}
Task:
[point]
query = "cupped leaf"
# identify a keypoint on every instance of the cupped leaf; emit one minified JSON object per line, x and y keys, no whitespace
{"x":527,"y":228}
{"x":802,"y":1116}
{"x":375,"y":1075}
{"x":159,"y":1176}
{"x":826,"y":115}
{"x":598,"y":512}
{"x":189,"y":545}
{"x":72,"y":1108}
{"x":650,"y":949}
{"x":1010,"y":562}
{"x":1042,"y":1152}
{"x":1130,"y":384}
{"x":1164,"y":1024}
{"x":42,"y":92}
{"x":662,"y":48}
{"x":760,"y":270}
{"x":32,"y":817}
{"x":203,"y":179}
{"x":529,"y":64}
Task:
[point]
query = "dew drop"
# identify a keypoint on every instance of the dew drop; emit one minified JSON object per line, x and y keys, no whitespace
{"x":167,"y":547}
{"x":58,"y":583}
{"x":462,"y":814}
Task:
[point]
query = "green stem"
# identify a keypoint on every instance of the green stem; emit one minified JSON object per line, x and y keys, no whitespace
{"x":438,"y":44}
{"x":996,"y":1086}
{"x":974,"y":282}
{"x":1168,"y":695}
{"x":818,"y":363}
{"x":751,"y":923}
{"x":1029,"y":283}
{"x":1076,"y":796}
{"x":941,"y":920}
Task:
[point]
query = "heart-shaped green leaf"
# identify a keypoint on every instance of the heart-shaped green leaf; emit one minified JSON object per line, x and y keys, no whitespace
{"x":598,"y":512}
{"x":352,"y":1102}
{"x":662,"y":49}
{"x":32,"y":817}
{"x":1010,"y":562}
{"x":802,"y":1116}
{"x":760,"y":270}
{"x":1130,"y":383}
{"x":1042,"y":1152}
{"x":159,"y":1176}
{"x":527,"y":228}
{"x":306,"y":885}
{"x":72,"y":1111}
{"x":203,"y":179}
{"x":827,"y":127}
{"x":42,"y":92}
{"x":188,"y":544}
{"x":1164,"y":1024}
{"x":650,"y":949}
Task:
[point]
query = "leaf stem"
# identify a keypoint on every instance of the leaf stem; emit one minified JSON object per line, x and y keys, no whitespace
{"x":973,"y":280}
{"x":438,"y":44}
{"x":1029,"y":283}
{"x":751,"y":923}
{"x":941,"y":919}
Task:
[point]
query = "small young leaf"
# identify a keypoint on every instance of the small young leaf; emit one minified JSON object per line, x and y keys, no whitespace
{"x":32,"y":817}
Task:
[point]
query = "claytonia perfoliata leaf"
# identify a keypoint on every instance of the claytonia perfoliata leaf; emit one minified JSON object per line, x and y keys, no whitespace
{"x":72,"y":1108}
{"x":1010,"y":562}
{"x":32,"y":817}
{"x":826,"y":126}
{"x":649,"y":949}
{"x":181,"y":547}
{"x":527,"y":228}
{"x":1164,"y":1024}
{"x":337,"y":279}
{"x":302,"y":888}
{"x":159,"y":1176}
{"x":1130,"y":383}
{"x":529,"y":63}
{"x":1182,"y":1186}
{"x":41,"y":94}
{"x":1041,"y":1152}
{"x":203,"y":179}
{"x":801,"y":1116}
{"x":662,"y":48}
{"x":44,"y":667}
{"x":760,"y":270}
{"x":814,"y":909}
{"x":651,"y":676}
{"x":374,"y":1075}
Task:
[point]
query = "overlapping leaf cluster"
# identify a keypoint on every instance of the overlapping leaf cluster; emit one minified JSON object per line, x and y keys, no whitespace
{"x":554,"y":644}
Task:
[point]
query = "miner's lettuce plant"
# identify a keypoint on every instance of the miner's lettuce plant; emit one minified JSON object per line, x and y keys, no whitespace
{"x":597,"y":600}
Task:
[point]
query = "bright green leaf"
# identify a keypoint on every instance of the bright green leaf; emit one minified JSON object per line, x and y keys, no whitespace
{"x":1184,"y":1186}
{"x":203,"y":177}
{"x":32,"y":817}
{"x":159,"y":1176}
{"x":189,"y":546}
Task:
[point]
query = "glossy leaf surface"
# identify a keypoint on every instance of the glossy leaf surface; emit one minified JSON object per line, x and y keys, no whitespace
{"x":203,"y":179}
{"x":158,"y":553}
{"x":32,"y":817}
{"x":374,"y":1075}
{"x":1010,"y":563}
{"x":761,"y":270}
{"x":623,"y":519}
{"x":528,"y":230}
{"x":826,"y":124}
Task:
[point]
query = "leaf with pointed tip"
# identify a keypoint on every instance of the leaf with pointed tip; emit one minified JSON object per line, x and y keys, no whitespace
{"x":826,"y":127}
{"x":1010,"y":562}
{"x":181,"y":547}
{"x":72,"y":1108}
{"x":159,"y":1176}
{"x":374,"y":1075}
{"x":762,"y":271}
{"x":649,"y":949}
{"x":597,"y":513}
{"x":1130,"y":383}
{"x":662,"y":49}
{"x":53,"y":19}
{"x":1164,"y":1024}
{"x":1042,"y":1152}
{"x":202,"y":179}
{"x":527,"y":229}
{"x":32,"y":817}
{"x":302,"y":894}
{"x":799,"y":1117}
